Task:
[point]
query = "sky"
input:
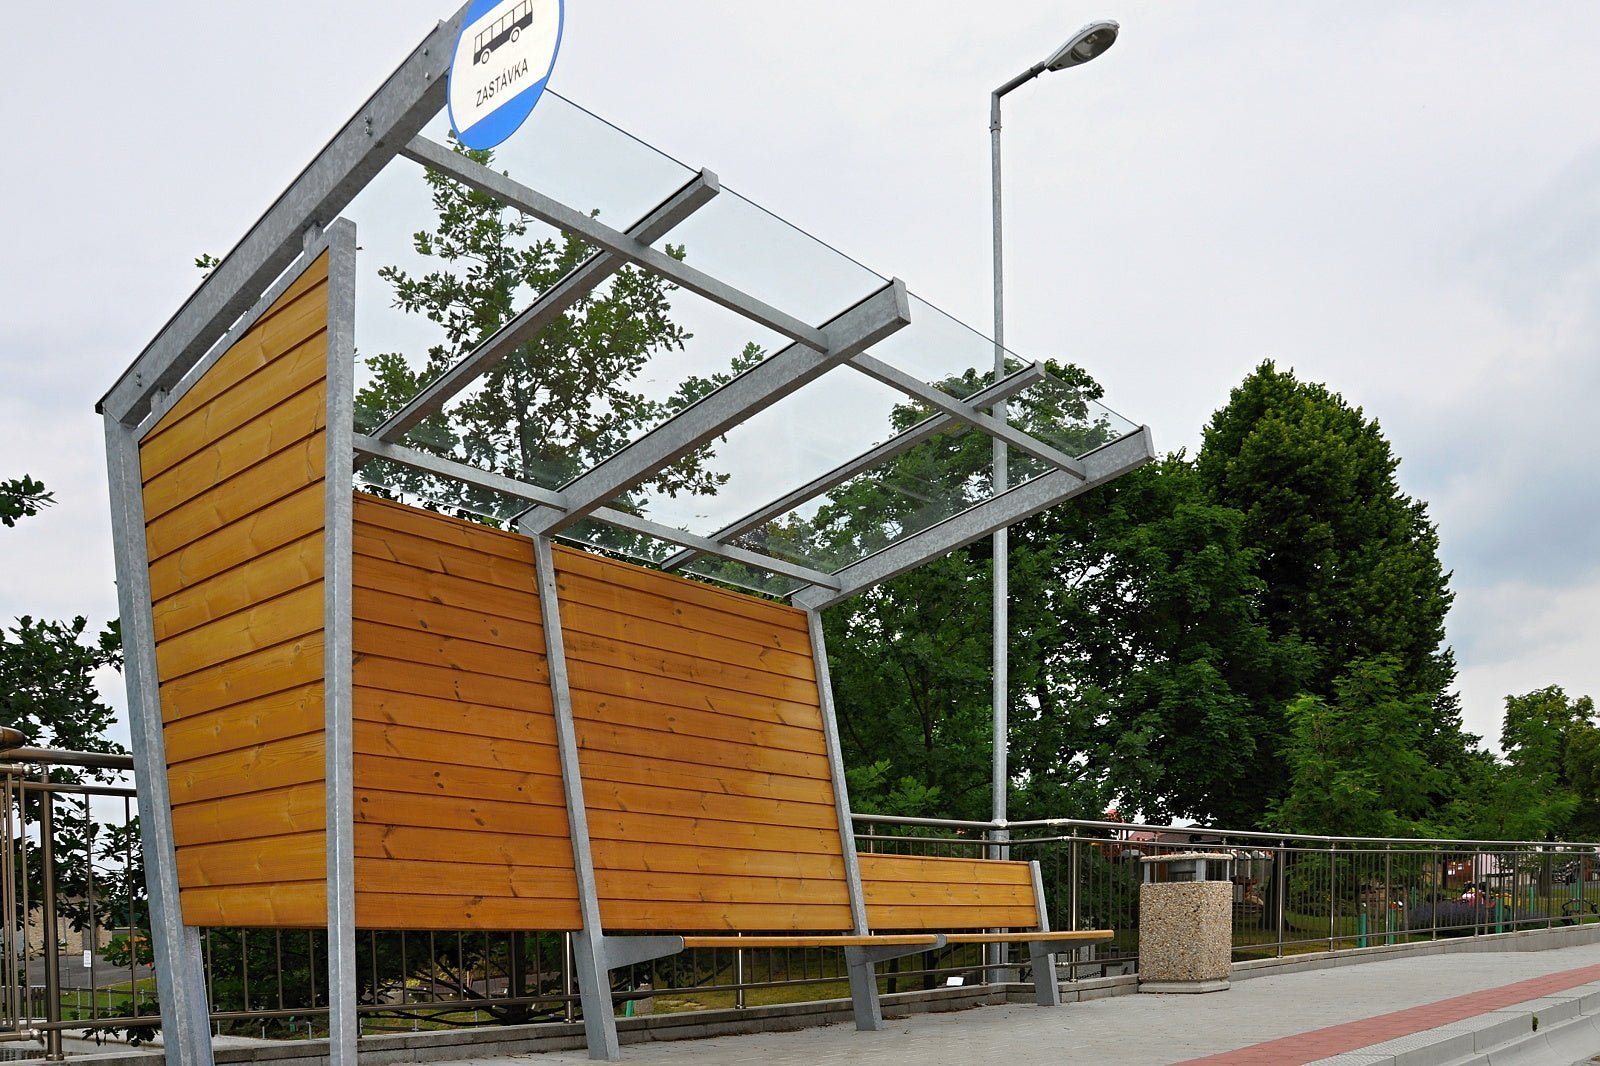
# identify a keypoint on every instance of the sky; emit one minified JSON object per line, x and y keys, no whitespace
{"x":1399,"y":200}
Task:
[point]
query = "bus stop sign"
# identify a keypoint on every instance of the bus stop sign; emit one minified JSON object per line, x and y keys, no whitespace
{"x":502,"y":61}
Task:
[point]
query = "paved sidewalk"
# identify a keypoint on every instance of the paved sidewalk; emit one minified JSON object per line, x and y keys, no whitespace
{"x":1281,"y":1019}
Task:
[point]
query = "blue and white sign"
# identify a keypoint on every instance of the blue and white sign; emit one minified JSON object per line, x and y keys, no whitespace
{"x":503,"y":60}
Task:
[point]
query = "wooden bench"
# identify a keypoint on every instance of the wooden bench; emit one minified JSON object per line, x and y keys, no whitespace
{"x":929,"y":893}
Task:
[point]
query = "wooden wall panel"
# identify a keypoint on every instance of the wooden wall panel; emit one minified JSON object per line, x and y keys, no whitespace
{"x":233,"y":499}
{"x":908,"y":892}
{"x":460,"y":815}
{"x":706,"y":777}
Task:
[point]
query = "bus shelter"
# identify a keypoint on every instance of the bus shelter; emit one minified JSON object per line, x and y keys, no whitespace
{"x":342,"y":658}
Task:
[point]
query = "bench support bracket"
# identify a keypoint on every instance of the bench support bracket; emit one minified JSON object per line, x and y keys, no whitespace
{"x":864,"y":978}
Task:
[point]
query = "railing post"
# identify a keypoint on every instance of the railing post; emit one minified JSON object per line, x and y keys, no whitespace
{"x":1333,"y":895}
{"x":1282,"y":865}
{"x":52,"y":953}
{"x":1073,"y":874}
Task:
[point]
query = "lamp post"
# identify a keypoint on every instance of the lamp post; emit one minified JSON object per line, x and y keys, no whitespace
{"x":1080,"y":48}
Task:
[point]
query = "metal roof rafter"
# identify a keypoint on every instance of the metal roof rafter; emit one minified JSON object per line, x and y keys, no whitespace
{"x":699,"y":191}
{"x":928,"y":428}
{"x":1027,"y":499}
{"x":530,"y":201}
{"x":940,"y":400}
{"x":763,"y":385}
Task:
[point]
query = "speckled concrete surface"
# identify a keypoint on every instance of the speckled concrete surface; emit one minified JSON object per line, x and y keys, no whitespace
{"x":1185,"y":931}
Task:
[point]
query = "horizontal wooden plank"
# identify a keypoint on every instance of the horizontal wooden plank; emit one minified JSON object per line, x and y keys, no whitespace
{"x":219,"y":458}
{"x":286,"y":666}
{"x":606,"y":766}
{"x":445,"y":529}
{"x":738,"y":862}
{"x":668,"y":888}
{"x":606,"y":681}
{"x":694,"y":637}
{"x":244,"y":725}
{"x":464,"y":622}
{"x":408,"y":742}
{"x":1081,"y":936}
{"x":646,"y":744}
{"x":295,"y":809}
{"x":656,"y":663}
{"x":378,"y":672}
{"x":416,"y":877}
{"x":901,"y":940}
{"x":292,"y":761}
{"x":934,"y":868}
{"x":640,"y":826}
{"x":452,"y":653}
{"x":389,"y":773}
{"x":284,"y":569}
{"x":284,"y":332}
{"x":945,"y":918}
{"x":378,"y":910}
{"x":453,"y":843}
{"x":946,"y":894}
{"x":627,"y":575}
{"x":700,"y":724}
{"x":384,"y":807}
{"x":265,"y":861}
{"x":295,"y":467}
{"x":637,"y":799}
{"x":290,"y":616}
{"x":289,"y":519}
{"x":579,"y":588}
{"x":464,"y":563}
{"x":534,"y":725}
{"x":386,"y":575}
{"x":653,"y":916}
{"x":301,"y":905}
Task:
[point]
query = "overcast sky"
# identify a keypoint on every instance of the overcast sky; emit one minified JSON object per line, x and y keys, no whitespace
{"x":1400,"y":200}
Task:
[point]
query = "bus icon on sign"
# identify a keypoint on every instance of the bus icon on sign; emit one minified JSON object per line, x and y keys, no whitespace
{"x":507,"y":27}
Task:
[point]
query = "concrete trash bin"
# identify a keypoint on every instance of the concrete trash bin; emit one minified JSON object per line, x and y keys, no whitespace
{"x":1185,"y":922}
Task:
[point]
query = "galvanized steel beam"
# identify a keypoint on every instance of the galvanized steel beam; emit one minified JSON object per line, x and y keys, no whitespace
{"x":930,"y":427}
{"x":966,"y":411}
{"x":513,"y":193}
{"x":589,"y":943}
{"x":848,"y":334}
{"x":410,"y":97}
{"x":699,"y":191}
{"x":339,"y":654}
{"x":180,"y":973}
{"x":1029,"y":498}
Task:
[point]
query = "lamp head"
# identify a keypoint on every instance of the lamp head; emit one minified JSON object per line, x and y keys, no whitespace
{"x":1084,"y":45}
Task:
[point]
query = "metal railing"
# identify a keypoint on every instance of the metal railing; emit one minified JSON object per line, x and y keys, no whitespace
{"x":74,"y":951}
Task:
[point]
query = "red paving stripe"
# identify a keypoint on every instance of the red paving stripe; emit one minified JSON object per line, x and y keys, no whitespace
{"x":1364,"y":1032}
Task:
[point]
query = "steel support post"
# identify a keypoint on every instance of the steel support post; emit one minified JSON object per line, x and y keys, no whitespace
{"x":860,"y":961}
{"x":49,"y":930}
{"x":589,"y":948}
{"x":180,"y":975}
{"x":338,"y":547}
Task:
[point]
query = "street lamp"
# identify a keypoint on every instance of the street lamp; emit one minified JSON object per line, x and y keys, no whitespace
{"x":1080,"y":48}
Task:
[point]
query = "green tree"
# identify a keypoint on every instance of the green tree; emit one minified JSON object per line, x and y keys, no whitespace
{"x":22,"y":498}
{"x":1348,"y":563}
{"x":1552,"y":751}
{"x":1356,"y":762}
